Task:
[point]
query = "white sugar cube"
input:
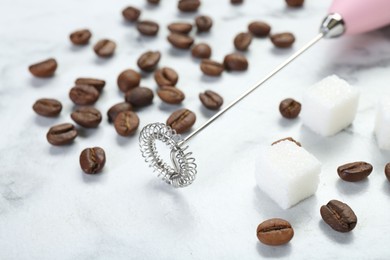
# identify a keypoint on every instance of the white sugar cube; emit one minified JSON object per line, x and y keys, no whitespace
{"x":329,"y":106}
{"x":287,"y":173}
{"x":382,"y":123}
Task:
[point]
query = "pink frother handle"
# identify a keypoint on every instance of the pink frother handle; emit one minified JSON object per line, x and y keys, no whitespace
{"x":362,"y":15}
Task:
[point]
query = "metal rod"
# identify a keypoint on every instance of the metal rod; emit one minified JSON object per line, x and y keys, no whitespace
{"x":258,"y":84}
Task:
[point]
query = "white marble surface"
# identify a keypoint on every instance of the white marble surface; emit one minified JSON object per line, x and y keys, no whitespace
{"x":49,"y":209}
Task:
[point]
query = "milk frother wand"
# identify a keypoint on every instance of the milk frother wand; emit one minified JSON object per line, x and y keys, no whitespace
{"x":345,"y":17}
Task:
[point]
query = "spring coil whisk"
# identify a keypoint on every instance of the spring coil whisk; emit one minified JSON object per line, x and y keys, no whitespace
{"x":183,"y":172}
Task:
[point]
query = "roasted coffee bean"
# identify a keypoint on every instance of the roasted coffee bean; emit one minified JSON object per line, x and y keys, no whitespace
{"x":203,"y":23}
{"x":166,"y":77}
{"x":61,"y":134}
{"x":295,"y":3}
{"x":92,"y":160}
{"x":148,"y":28}
{"x":287,"y":139}
{"x":236,"y":62}
{"x":188,"y":5}
{"x":236,"y":2}
{"x":180,"y":27}
{"x":96,"y":83}
{"x":149,"y":60}
{"x":201,"y":51}
{"x":104,"y":48}
{"x":283,"y":40}
{"x":355,"y":171}
{"x":131,"y":13}
{"x":139,"y":96}
{"x":259,"y":29}
{"x":84,"y":95}
{"x":211,"y":100}
{"x":80,"y":37}
{"x":87,"y":117}
{"x":47,"y":107}
{"x":211,"y":68}
{"x":181,"y":120}
{"x":116,"y":109}
{"x":128,"y":79}
{"x":153,"y":2}
{"x":275,"y":232}
{"x":44,"y":69}
{"x":170,"y":95}
{"x":126,"y":123}
{"x":242,"y":41}
{"x":289,"y":108}
{"x":387,"y":171}
{"x":338,"y":216}
{"x":180,"y":41}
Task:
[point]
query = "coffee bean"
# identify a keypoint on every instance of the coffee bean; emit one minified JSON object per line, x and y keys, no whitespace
{"x":201,"y":51}
{"x":236,"y":62}
{"x":242,"y":41}
{"x":116,"y":109}
{"x":203,"y":23}
{"x":126,"y":123}
{"x":180,"y":41}
{"x":139,"y":96}
{"x":87,"y":117}
{"x":283,"y":40}
{"x":128,"y":79}
{"x":170,"y":95}
{"x":80,"y":37}
{"x":61,"y":134}
{"x":188,"y":5}
{"x":148,"y":28}
{"x":211,"y":100}
{"x":153,"y":2}
{"x":287,"y":139}
{"x":44,"y":69}
{"x":355,"y":171}
{"x":166,"y":77}
{"x":149,"y":60}
{"x":47,"y":107}
{"x":92,"y":160}
{"x":104,"y":48}
{"x":295,"y":3}
{"x":181,"y":120}
{"x":131,"y":13}
{"x":211,"y":68}
{"x":338,"y":216}
{"x":96,"y":83}
{"x":275,"y":232}
{"x":181,"y":28}
{"x":84,"y":95}
{"x":387,"y":171}
{"x":289,"y":108}
{"x":259,"y":29}
{"x":236,"y":2}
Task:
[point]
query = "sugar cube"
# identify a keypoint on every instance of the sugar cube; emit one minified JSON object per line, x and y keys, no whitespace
{"x":329,"y":106}
{"x":382,"y":123}
{"x":287,"y":173}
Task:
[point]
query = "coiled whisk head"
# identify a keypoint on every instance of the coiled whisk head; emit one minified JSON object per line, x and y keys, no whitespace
{"x":183,"y":172}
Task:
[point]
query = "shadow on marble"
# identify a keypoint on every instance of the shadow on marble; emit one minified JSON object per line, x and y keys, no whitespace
{"x":61,"y":150}
{"x":352,"y":188}
{"x":86,"y":132}
{"x":273,"y":251}
{"x":92,"y":178}
{"x":78,"y":48}
{"x":178,"y":52}
{"x":146,"y":39}
{"x":284,"y":122}
{"x":45,"y":121}
{"x":196,"y":60}
{"x":39,"y":82}
{"x":146,"y":75}
{"x":386,"y":187}
{"x":128,"y":23}
{"x":337,"y":237}
{"x":210,"y":79}
{"x":207,"y":112}
{"x":124,"y":141}
{"x":103,"y":61}
{"x":151,"y":7}
{"x":168,"y":107}
{"x":187,"y":15}
{"x":282,"y":51}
